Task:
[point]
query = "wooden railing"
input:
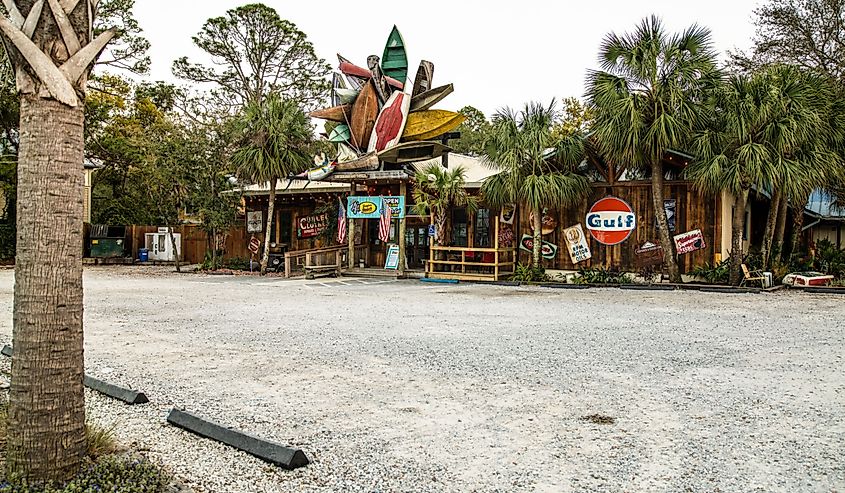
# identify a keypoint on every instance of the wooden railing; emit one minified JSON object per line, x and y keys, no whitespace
{"x":298,"y":260}
{"x":470,"y":264}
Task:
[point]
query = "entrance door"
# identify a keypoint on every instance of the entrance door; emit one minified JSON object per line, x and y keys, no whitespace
{"x":416,"y":242}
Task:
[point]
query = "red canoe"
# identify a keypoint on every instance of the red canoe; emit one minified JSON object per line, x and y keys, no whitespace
{"x":356,"y":71}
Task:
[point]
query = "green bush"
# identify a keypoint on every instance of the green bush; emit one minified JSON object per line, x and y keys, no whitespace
{"x":600,"y":275}
{"x":7,"y":241}
{"x":528,"y":273}
{"x":719,"y":273}
{"x":829,"y":259}
{"x":110,"y":474}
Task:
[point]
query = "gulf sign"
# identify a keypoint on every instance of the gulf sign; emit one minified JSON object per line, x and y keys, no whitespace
{"x":611,"y":221}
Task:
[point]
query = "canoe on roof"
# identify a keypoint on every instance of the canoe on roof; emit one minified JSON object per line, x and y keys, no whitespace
{"x":353,"y":70}
{"x":391,"y":122}
{"x":364,"y":114}
{"x":354,"y":82}
{"x":426,"y":100}
{"x":394,"y":61}
{"x":424,"y":78}
{"x":425,"y":125}
{"x":340,"y":133}
{"x":346,"y":96}
{"x":410,"y":152}
{"x":338,"y":84}
{"x":334,"y":114}
{"x":367,"y":162}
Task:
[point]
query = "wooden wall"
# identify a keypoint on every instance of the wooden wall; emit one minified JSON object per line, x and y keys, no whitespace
{"x":693,"y":211}
{"x":194,"y":242}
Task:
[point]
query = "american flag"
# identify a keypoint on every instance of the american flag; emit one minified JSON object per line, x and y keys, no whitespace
{"x":341,"y":222}
{"x":384,"y":222}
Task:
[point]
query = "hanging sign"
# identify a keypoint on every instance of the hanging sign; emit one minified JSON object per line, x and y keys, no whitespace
{"x":549,"y":250}
{"x":392,"y":261}
{"x":690,"y":241}
{"x":611,"y":221}
{"x":576,"y":241}
{"x":508,"y":214}
{"x":370,"y":207}
{"x":254,"y":222}
{"x":648,"y":255}
{"x":311,"y":226}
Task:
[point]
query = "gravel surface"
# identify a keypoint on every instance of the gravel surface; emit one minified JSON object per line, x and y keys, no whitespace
{"x":406,"y":386}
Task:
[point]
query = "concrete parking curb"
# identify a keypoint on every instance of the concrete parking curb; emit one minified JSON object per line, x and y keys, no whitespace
{"x":272,"y":452}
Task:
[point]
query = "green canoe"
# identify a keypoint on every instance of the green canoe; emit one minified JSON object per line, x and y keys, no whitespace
{"x":394,"y":62}
{"x":341,"y":133}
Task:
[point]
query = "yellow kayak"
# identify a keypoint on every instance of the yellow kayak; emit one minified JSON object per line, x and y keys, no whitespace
{"x":425,"y":125}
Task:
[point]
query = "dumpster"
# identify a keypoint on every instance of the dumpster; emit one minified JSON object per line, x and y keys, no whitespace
{"x":107,"y":241}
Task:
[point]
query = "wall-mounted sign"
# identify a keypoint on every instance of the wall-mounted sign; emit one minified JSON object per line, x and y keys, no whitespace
{"x":392,"y":261}
{"x":508,"y":213}
{"x":611,"y":221}
{"x":670,"y":206}
{"x":549,"y":222}
{"x":648,"y":255}
{"x":311,"y":226}
{"x":576,"y":241}
{"x":506,"y":236}
{"x":254,"y":222}
{"x":370,"y":207}
{"x":549,"y":250}
{"x":689,"y":242}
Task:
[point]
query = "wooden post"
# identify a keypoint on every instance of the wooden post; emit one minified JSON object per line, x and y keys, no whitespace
{"x":403,"y":190}
{"x":496,"y":246}
{"x":350,"y":232}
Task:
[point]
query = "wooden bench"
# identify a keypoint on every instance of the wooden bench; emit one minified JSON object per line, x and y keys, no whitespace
{"x":313,"y":271}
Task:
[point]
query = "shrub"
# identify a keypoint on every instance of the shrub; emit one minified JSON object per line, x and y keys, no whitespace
{"x":719,"y":273}
{"x":600,"y":275}
{"x":528,"y":273}
{"x":112,"y":474}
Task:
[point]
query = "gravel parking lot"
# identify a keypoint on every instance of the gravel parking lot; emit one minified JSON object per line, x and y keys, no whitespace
{"x":407,"y":386}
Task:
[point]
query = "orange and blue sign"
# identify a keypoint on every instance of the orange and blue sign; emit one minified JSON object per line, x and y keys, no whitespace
{"x":611,"y":221}
{"x":370,"y":207}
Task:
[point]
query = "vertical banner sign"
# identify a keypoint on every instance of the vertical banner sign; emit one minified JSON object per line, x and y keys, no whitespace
{"x":392,"y":261}
{"x":576,"y":240}
{"x":611,"y":221}
{"x":690,"y":241}
{"x":670,"y":206}
{"x":254,"y":222}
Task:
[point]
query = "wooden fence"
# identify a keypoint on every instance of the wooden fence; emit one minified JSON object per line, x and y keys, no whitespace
{"x":195,"y":242}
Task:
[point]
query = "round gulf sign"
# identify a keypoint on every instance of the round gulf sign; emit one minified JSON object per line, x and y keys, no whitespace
{"x":611,"y":221}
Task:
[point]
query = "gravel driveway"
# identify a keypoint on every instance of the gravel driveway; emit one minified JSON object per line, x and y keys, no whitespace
{"x":406,"y":386}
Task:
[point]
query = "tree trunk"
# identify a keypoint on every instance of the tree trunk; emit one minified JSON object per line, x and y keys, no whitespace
{"x":666,"y":242}
{"x":797,"y":224}
{"x":173,"y":245}
{"x":771,"y":225}
{"x":46,"y":432}
{"x":780,"y":228}
{"x":538,"y":238}
{"x":271,"y":203}
{"x":737,"y":229}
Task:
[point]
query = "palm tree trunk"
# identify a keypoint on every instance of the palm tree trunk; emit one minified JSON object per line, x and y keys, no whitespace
{"x":46,"y":432}
{"x":663,"y":223}
{"x":771,"y":225}
{"x":737,"y":229}
{"x":271,"y":204}
{"x":797,"y":223}
{"x":538,"y":238}
{"x":780,"y":228}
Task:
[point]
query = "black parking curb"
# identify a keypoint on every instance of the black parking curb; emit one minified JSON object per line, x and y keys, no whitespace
{"x":272,"y":452}
{"x":553,"y":285}
{"x":647,"y":287}
{"x":126,"y":395}
{"x":823,"y":290}
{"x":731,"y":290}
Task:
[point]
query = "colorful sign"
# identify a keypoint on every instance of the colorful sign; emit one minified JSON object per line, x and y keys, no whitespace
{"x":689,"y":242}
{"x":254,"y":222}
{"x":370,"y":207}
{"x":392,"y":261}
{"x":549,"y":222}
{"x":311,"y":226}
{"x":576,"y":240}
{"x":549,"y":250}
{"x":508,"y":214}
{"x":611,"y":221}
{"x":648,"y":255}
{"x":254,"y":245}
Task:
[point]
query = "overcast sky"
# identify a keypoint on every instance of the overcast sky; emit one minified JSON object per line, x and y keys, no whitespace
{"x":497,"y":54}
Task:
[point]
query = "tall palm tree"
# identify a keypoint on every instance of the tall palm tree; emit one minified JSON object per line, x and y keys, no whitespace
{"x":761,"y":132}
{"x":52,"y":49}
{"x":536,"y":165}
{"x":277,"y":138}
{"x":437,"y":190}
{"x":648,"y":98}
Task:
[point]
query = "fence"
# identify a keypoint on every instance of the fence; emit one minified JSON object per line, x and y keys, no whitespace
{"x":470,"y":264}
{"x":298,"y":260}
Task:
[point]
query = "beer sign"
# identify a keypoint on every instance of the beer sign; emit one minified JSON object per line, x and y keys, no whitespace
{"x":611,"y":221}
{"x":689,"y":242}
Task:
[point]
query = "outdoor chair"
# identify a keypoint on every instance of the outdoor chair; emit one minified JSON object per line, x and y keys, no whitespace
{"x":752,"y":276}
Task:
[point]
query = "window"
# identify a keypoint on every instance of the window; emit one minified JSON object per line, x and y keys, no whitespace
{"x":459,"y":227}
{"x":482,"y":228}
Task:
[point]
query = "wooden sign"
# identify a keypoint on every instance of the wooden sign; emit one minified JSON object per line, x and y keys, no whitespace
{"x":648,"y":255}
{"x":689,"y":242}
{"x":311,"y":226}
{"x":576,"y":241}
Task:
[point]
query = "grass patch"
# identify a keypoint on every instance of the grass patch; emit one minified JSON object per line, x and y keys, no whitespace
{"x":599,"y":419}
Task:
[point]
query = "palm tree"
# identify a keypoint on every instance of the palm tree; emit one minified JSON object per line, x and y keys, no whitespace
{"x":536,"y":165}
{"x":761,"y":133}
{"x":437,"y":190}
{"x":648,"y":98}
{"x":277,"y":137}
